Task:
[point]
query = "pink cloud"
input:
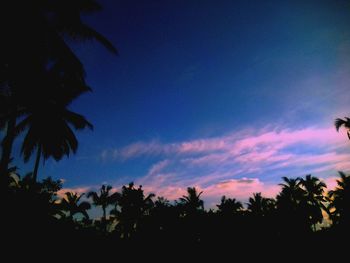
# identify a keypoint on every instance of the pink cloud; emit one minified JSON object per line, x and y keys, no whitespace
{"x":221,"y":165}
{"x":203,"y":145}
{"x":78,"y":190}
{"x":142,"y":148}
{"x":258,"y":146}
{"x":331,"y":182}
{"x":241,"y":188}
{"x":156,"y":168}
{"x":170,"y":192}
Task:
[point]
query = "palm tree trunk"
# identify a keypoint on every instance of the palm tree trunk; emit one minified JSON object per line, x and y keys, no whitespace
{"x":104,"y":213}
{"x":37,"y":162}
{"x":7,"y":146}
{"x":104,"y":219}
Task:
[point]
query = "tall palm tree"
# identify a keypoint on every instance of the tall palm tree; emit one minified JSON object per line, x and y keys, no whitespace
{"x":314,"y":198}
{"x":338,"y":123}
{"x":229,"y":206}
{"x":46,"y":26}
{"x":339,"y":200}
{"x":70,"y":205}
{"x":104,"y":199}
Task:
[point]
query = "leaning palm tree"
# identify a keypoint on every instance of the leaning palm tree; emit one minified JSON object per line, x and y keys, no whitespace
{"x":49,"y":131}
{"x":338,"y":123}
{"x":70,"y":205}
{"x":104,"y":199}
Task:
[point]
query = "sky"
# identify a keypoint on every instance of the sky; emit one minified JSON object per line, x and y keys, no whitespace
{"x":226,"y":96}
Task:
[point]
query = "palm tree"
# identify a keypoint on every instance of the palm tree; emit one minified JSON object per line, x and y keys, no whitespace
{"x":292,"y":207}
{"x":49,"y":132}
{"x":339,"y":200}
{"x":70,"y":204}
{"x":314,"y":189}
{"x":338,"y":123}
{"x":291,"y":194}
{"x":291,"y":190}
{"x":191,"y":202}
{"x":259,"y":205}
{"x":46,"y":25}
{"x":133,"y":206}
{"x":8,"y":115}
{"x":104,"y":199}
{"x":229,"y":206}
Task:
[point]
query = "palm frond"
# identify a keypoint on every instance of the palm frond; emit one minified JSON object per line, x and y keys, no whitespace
{"x":84,"y":32}
{"x":338,"y":123}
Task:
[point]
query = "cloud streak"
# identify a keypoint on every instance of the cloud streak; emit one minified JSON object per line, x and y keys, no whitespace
{"x":238,"y":163}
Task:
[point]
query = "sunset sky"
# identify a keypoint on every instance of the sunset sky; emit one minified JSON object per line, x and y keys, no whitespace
{"x":227,"y":96}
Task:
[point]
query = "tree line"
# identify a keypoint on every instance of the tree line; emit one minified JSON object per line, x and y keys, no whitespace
{"x":303,"y":205}
{"x":304,"y":211}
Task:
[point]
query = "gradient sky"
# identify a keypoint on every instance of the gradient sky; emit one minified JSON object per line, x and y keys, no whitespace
{"x":227,"y":96}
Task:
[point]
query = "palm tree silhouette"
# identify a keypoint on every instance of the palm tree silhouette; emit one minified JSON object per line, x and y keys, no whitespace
{"x":338,"y":123}
{"x":259,"y":205}
{"x":291,"y":192}
{"x":45,"y":26}
{"x":339,"y":200}
{"x":292,"y":207}
{"x":314,"y":189}
{"x":104,"y":199}
{"x":8,"y":116}
{"x":49,"y":131}
{"x":133,"y":207}
{"x":70,"y":205}
{"x":229,"y":206}
{"x":191,"y":202}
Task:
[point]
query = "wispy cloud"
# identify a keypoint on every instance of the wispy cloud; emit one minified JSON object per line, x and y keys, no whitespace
{"x":236,"y":143}
{"x":238,"y":163}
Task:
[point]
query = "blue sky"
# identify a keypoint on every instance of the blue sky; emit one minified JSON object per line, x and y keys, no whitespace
{"x":227,"y":96}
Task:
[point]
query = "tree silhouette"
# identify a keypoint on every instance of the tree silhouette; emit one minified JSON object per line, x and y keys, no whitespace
{"x":50,"y":133}
{"x":314,"y":198}
{"x":340,"y":200}
{"x":259,"y":205}
{"x":338,"y":123}
{"x":191,"y":203}
{"x":133,"y":207}
{"x":24,"y":72}
{"x":229,"y":206}
{"x":291,"y":191}
{"x":104,"y":199}
{"x":292,"y":209}
{"x":70,"y":205}
{"x":8,"y":118}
